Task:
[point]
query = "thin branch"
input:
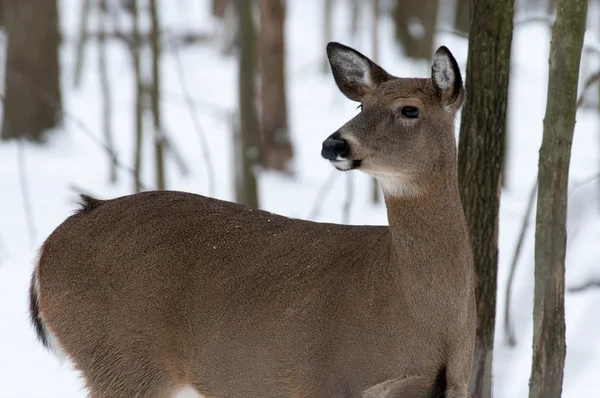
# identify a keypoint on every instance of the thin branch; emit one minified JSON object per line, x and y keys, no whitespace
{"x":196,"y":122}
{"x":25,"y":191}
{"x":316,"y":207}
{"x":177,"y":157}
{"x":584,"y":286}
{"x":84,"y":128}
{"x":508,"y":330}
{"x":588,"y":83}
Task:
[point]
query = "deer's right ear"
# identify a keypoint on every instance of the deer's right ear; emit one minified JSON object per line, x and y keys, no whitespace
{"x":354,"y":74}
{"x":447,"y":80}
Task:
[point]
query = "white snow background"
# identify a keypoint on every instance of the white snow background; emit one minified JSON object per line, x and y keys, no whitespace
{"x":316,"y":109}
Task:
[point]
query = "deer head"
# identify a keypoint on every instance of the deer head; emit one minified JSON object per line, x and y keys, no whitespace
{"x":404,"y":133}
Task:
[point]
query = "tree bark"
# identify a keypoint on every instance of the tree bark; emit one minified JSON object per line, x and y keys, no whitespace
{"x":246,"y":190}
{"x":549,"y":346}
{"x":33,"y":102}
{"x":481,"y":150}
{"x":415,"y":23}
{"x":276,"y":150}
{"x":155,"y":98}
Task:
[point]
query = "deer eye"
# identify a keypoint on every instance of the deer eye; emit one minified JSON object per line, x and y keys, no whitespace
{"x":411,"y":112}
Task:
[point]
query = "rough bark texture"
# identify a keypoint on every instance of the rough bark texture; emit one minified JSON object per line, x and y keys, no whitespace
{"x":481,"y":150}
{"x":415,"y":27}
{"x":549,"y":346}
{"x":276,"y":150}
{"x":246,"y":191}
{"x":32,"y":102}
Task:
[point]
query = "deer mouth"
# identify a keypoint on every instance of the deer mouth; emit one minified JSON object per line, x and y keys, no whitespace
{"x":345,"y":164}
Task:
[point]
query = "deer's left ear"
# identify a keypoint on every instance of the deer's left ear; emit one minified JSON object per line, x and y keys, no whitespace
{"x":447,"y":80}
{"x":354,"y":74}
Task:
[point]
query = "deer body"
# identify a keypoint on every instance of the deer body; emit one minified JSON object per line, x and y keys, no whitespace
{"x":154,"y":292}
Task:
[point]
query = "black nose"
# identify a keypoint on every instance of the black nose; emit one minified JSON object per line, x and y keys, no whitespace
{"x":334,"y":146}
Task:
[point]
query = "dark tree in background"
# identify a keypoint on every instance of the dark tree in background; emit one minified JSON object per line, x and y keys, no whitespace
{"x":481,"y":150}
{"x":549,"y":346}
{"x":247,"y":140}
{"x":33,"y":101}
{"x":276,"y":150}
{"x":462,"y":16}
{"x":415,"y":23}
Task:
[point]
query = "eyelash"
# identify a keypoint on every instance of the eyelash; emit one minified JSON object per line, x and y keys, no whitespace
{"x":359,"y":107}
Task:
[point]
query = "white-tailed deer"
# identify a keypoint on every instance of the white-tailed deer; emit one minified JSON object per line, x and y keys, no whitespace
{"x":155,"y":292}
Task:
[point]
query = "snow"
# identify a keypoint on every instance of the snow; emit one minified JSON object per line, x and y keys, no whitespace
{"x":73,"y":158}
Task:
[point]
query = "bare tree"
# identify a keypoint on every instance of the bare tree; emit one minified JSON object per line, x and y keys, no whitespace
{"x":155,"y":98}
{"x":138,"y":107}
{"x":218,"y":8}
{"x":462,"y":16}
{"x":481,"y":150}
{"x":553,"y":175}
{"x":276,"y":150}
{"x":105,"y":87}
{"x":82,"y":40}
{"x":415,"y":26}
{"x":375,"y":10}
{"x":249,"y":136}
{"x":327,"y":30}
{"x":33,"y":101}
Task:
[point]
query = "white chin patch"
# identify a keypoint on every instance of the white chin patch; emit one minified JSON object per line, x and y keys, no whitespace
{"x":343,"y":164}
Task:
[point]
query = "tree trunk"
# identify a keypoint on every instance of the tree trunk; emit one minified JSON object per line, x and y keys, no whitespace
{"x":327,"y":31}
{"x":33,"y":102}
{"x":155,"y":98}
{"x":246,"y":190}
{"x":138,"y":107}
{"x":101,"y":12}
{"x":462,"y":17}
{"x":549,"y":346}
{"x":415,"y":27}
{"x":376,"y":9}
{"x":276,"y":150}
{"x":218,"y":8}
{"x":481,"y":150}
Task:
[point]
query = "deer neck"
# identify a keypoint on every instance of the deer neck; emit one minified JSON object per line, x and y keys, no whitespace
{"x":429,"y":234}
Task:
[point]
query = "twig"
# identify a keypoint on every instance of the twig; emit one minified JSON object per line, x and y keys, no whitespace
{"x":316,"y":207}
{"x":177,"y":157}
{"x":98,"y":141}
{"x":25,"y":192}
{"x":583,"y":287}
{"x":196,"y":122}
{"x":508,"y":330}
{"x":588,"y":83}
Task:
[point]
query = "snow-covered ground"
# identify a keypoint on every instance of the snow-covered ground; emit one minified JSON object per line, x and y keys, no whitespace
{"x":72,"y":158}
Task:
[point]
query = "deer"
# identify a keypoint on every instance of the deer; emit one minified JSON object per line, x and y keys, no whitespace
{"x":161,"y":291}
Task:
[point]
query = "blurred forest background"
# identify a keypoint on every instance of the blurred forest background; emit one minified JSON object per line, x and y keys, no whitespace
{"x":232,"y":99}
